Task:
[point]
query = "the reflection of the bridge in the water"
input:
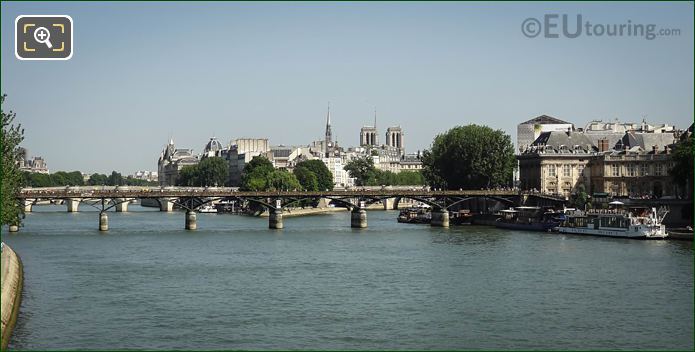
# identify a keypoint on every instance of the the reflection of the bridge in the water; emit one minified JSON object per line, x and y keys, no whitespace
{"x":191,"y":198}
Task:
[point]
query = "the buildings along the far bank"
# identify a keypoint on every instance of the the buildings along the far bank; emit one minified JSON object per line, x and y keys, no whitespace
{"x":388,"y":156}
{"x":630,"y":160}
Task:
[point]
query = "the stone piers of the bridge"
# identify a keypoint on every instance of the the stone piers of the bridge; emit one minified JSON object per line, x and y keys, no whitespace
{"x":275,"y":216}
{"x":358,"y":216}
{"x":166,"y":204}
{"x":27,"y":205}
{"x":191,"y":220}
{"x":73,"y":204}
{"x":122,"y":204}
{"x":103,"y":221}
{"x":440,"y":218}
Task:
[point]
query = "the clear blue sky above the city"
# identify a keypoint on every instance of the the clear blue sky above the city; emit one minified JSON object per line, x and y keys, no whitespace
{"x":144,"y":72}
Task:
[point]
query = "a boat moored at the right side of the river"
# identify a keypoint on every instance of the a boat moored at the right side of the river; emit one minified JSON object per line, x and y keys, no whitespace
{"x":641,"y":223}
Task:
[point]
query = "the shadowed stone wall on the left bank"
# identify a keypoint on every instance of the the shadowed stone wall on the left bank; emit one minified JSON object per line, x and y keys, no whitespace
{"x":12,"y":281}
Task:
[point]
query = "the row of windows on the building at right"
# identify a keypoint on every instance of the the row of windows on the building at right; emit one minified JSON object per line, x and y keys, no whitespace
{"x":630,"y":170}
{"x":633,"y":170}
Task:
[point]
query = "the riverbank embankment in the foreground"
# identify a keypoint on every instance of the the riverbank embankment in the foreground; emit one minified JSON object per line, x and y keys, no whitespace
{"x":12,"y":280}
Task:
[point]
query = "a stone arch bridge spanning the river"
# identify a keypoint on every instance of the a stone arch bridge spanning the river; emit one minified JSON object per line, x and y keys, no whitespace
{"x":192,"y":198}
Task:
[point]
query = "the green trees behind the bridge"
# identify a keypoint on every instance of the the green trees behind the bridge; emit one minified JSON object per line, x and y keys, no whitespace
{"x":12,"y":135}
{"x":212,"y":171}
{"x":74,"y":178}
{"x":361,"y":169}
{"x":116,"y":179}
{"x":60,"y":178}
{"x":469,"y":157}
{"x":366,"y":174}
{"x":309,"y":170}
{"x":307,"y":179}
{"x":100,"y":179}
{"x":260,"y":175}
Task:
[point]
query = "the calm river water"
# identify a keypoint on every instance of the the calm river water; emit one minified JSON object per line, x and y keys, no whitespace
{"x":318,"y":284}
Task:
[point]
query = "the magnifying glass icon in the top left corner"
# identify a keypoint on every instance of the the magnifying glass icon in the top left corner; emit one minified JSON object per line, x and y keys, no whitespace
{"x":43,"y":36}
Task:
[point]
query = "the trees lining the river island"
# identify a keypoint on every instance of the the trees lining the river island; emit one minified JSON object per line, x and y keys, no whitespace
{"x":366,"y":174}
{"x":361,"y":169}
{"x":212,"y":171}
{"x":282,"y":180}
{"x":469,"y":157}
{"x":260,"y":175}
{"x":60,"y":178}
{"x":324,"y":177}
{"x":306,"y":178}
{"x":75,"y":178}
{"x":253,"y":178}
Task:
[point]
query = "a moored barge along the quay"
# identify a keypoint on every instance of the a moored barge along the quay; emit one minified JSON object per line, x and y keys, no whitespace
{"x":633,"y":223}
